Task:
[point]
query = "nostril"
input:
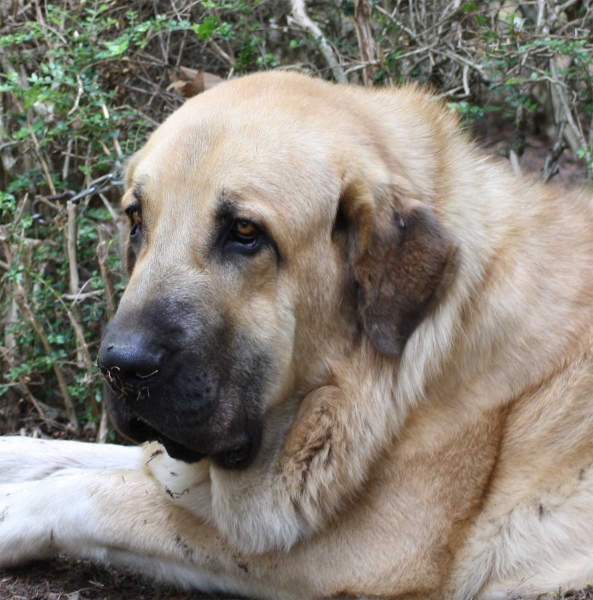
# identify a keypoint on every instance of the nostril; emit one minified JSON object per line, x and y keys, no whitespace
{"x":133,"y":358}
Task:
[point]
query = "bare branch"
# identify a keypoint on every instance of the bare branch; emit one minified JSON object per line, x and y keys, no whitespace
{"x":366,"y":42}
{"x":110,"y":307}
{"x":551,"y":165}
{"x":23,"y":385}
{"x":26,"y":309}
{"x":572,"y":120}
{"x":301,"y":18}
{"x":517,"y":146}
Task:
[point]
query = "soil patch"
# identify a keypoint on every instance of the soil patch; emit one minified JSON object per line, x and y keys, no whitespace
{"x":67,"y":579}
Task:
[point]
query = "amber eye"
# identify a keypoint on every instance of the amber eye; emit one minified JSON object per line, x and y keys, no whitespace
{"x":136,"y":217}
{"x":244,"y":237}
{"x":245,"y":230}
{"x":136,"y":220}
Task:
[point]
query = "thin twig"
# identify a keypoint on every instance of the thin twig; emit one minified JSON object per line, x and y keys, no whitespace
{"x":110,"y":308}
{"x":78,"y":95}
{"x":30,"y":316}
{"x":46,"y":173}
{"x":366,"y":41}
{"x":572,"y":121}
{"x":74,"y":281}
{"x":81,"y":343}
{"x":301,"y":18}
{"x":551,"y":167}
{"x":23,"y":385}
{"x":517,"y":146}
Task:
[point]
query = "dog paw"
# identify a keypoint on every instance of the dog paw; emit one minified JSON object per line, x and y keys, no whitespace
{"x":25,"y":532}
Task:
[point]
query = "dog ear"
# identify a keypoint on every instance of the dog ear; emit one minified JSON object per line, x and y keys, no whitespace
{"x":399,"y":254}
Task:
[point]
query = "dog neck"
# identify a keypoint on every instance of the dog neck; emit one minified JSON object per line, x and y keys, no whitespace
{"x":519,"y":303}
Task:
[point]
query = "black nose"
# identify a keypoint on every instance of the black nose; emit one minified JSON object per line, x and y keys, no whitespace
{"x":133,"y":357}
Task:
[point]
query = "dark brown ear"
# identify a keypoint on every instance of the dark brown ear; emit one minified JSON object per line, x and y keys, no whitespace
{"x":400,"y":263}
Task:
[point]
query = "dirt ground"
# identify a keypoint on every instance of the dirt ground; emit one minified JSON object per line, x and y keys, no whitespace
{"x":64,"y":579}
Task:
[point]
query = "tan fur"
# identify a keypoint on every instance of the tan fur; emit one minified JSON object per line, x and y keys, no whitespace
{"x":453,"y":464}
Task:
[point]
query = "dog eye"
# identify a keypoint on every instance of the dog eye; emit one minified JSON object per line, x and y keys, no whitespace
{"x":245,"y":231}
{"x":243,"y":237}
{"x":135,"y":219}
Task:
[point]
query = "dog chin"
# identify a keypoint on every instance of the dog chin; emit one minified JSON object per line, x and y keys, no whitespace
{"x":235,"y":454}
{"x":238,"y":456}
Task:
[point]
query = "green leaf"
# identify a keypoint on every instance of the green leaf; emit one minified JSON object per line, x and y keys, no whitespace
{"x":117,"y":47}
{"x":469,"y":6}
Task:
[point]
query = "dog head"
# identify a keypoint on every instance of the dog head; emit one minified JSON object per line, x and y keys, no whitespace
{"x":272,"y":230}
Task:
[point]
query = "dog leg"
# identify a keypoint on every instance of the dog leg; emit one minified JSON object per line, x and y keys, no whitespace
{"x":28,"y":459}
{"x":117,"y":517}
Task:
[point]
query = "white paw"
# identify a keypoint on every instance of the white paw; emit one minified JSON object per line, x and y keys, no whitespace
{"x":28,"y":459}
{"x":26,"y":533}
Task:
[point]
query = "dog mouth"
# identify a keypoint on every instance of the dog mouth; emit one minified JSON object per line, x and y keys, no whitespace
{"x":140,"y":431}
{"x":237,"y":457}
{"x":209,"y":424}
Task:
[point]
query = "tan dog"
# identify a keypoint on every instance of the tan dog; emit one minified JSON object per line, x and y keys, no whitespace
{"x":365,"y":347}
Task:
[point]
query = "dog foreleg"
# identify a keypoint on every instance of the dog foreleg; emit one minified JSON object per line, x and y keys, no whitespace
{"x":28,"y":459}
{"x":117,"y":517}
{"x":338,"y":434}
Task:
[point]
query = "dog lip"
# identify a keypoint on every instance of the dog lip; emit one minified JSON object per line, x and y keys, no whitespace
{"x":140,"y":431}
{"x":179,"y":451}
{"x":238,"y":457}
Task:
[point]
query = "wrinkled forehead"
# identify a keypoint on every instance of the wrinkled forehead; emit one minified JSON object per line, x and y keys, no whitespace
{"x":263,"y":158}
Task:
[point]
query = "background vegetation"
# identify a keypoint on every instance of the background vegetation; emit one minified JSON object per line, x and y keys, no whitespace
{"x":82,"y":84}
